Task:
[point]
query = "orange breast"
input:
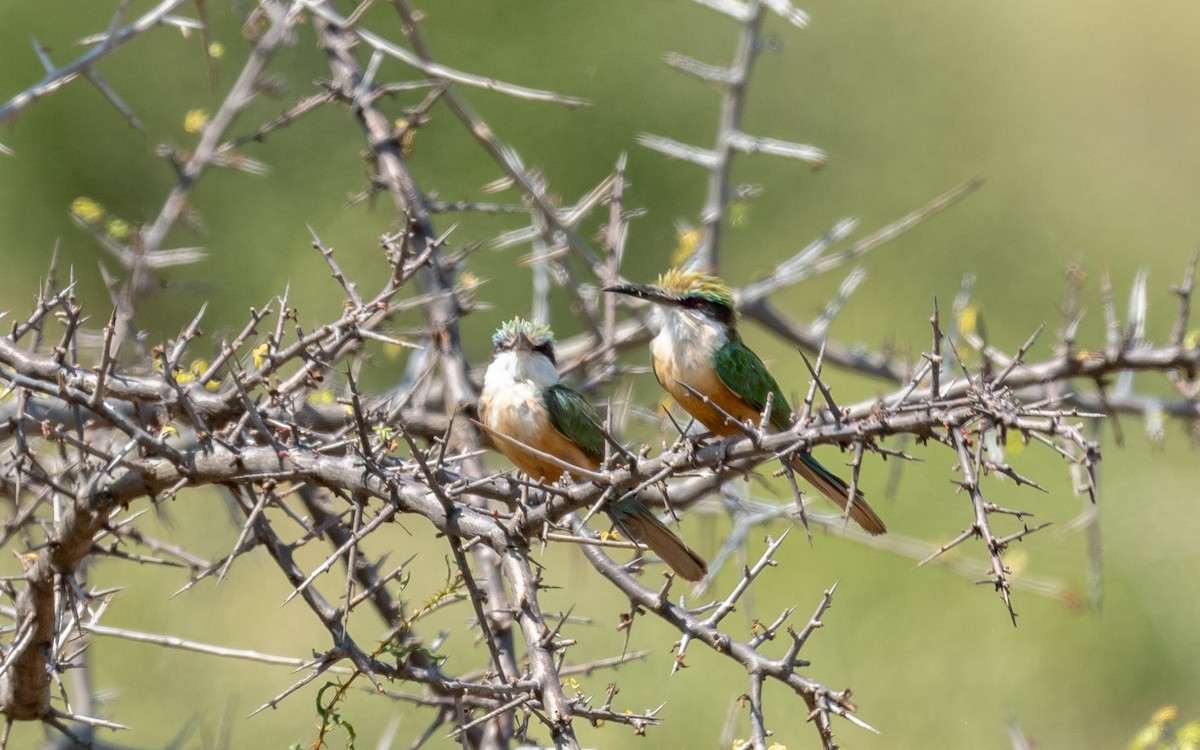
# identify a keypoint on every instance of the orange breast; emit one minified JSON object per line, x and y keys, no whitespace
{"x":554,"y":444}
{"x":523,"y":419}
{"x":685,"y":382}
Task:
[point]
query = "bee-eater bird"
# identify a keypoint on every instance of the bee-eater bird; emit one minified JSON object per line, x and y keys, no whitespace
{"x":700,"y":359}
{"x":525,"y":406}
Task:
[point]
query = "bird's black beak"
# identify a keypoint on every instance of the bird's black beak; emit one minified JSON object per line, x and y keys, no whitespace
{"x":642,"y":291}
{"x":522,"y":344}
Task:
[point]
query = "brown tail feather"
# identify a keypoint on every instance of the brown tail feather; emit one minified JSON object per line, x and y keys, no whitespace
{"x":860,"y":511}
{"x":647,"y":529}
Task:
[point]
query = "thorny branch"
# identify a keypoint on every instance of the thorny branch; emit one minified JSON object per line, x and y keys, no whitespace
{"x":277,"y":422}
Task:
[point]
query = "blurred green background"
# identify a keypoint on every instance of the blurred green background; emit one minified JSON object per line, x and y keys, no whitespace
{"x":1083,"y":118}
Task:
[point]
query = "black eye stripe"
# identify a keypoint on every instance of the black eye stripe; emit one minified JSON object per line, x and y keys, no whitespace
{"x":715,"y":310}
{"x":546,"y":349}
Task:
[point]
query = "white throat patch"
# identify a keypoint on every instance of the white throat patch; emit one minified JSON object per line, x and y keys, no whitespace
{"x":511,"y":368}
{"x":687,"y":337}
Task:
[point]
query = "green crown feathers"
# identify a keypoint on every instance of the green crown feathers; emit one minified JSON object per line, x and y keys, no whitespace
{"x":537,"y":333}
{"x":681,"y":283}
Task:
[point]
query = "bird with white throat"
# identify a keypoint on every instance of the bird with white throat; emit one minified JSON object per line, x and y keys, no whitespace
{"x":699,"y":358}
{"x":525,"y":407}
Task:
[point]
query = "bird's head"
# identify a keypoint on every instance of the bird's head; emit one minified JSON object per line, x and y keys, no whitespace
{"x":690,"y":292}
{"x":526,"y":338}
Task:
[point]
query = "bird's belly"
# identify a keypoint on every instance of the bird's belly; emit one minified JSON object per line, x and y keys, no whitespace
{"x":698,"y":389}
{"x":518,"y":413}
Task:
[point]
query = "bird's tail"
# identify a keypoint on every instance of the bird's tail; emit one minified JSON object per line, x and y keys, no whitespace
{"x":836,"y":490}
{"x":639,"y":523}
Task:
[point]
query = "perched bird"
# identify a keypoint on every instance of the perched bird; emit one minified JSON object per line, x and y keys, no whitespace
{"x":523,"y":404}
{"x":700,"y":359}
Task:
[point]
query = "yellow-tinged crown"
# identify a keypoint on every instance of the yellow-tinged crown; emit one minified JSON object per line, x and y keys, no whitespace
{"x":537,"y":333}
{"x":681,"y":283}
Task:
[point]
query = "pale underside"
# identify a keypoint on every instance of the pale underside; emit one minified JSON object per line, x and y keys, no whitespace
{"x":682,"y":357}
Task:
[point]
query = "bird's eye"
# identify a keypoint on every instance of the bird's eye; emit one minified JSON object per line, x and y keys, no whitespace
{"x":503,"y":346}
{"x":696,"y":303}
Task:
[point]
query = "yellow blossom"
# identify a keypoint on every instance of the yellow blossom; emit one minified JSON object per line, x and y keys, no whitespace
{"x":1014,"y":442}
{"x":686,"y":239}
{"x":260,"y":353}
{"x":116,"y":228}
{"x":1165,"y":714}
{"x":967,"y":319}
{"x":1188,"y":736}
{"x":195,"y":120}
{"x":87,"y":209}
{"x":216,"y":50}
{"x":193,"y":372}
{"x":322,"y":397}
{"x":407,"y":133}
{"x":27,"y":559}
{"x":1146,"y":738}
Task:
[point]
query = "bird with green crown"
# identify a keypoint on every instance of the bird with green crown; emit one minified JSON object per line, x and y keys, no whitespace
{"x":524,"y":406}
{"x":700,"y":359}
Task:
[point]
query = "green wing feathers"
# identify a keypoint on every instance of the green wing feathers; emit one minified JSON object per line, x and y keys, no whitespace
{"x":838,"y":491}
{"x":742,"y":372}
{"x":638,"y":522}
{"x":576,"y":419}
